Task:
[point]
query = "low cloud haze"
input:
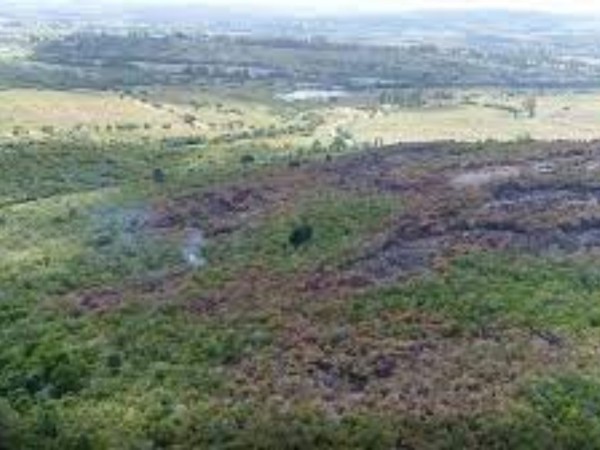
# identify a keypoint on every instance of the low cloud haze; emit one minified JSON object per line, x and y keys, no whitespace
{"x":335,"y":6}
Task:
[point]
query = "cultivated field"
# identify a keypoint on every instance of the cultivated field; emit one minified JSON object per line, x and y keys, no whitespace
{"x":558,"y":116}
{"x":246,"y":114}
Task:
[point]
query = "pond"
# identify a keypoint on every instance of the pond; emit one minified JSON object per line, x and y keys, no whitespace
{"x":313,"y":94}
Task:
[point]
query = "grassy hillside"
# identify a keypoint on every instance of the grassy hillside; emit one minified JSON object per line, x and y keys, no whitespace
{"x":275,"y":242}
{"x":147,"y":311}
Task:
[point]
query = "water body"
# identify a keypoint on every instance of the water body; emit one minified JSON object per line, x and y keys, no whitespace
{"x":314,"y":94}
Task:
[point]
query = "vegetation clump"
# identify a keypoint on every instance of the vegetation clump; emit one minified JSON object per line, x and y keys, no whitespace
{"x":301,"y":235}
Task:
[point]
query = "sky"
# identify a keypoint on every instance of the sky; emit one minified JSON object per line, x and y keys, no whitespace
{"x":358,"y":6}
{"x":399,"y":5}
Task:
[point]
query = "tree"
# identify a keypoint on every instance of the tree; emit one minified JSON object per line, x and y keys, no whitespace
{"x":190,"y":119}
{"x":158,"y":175}
{"x":339,"y":144}
{"x":317,"y":146}
{"x":530,"y":106}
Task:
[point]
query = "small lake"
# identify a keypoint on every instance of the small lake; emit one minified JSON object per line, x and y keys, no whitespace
{"x":313,"y":94}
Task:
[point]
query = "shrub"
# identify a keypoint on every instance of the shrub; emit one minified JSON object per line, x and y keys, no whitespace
{"x":48,"y":129}
{"x":8,"y":425}
{"x":247,"y":159}
{"x":301,"y":235}
{"x":190,"y":119}
{"x":158,"y":175}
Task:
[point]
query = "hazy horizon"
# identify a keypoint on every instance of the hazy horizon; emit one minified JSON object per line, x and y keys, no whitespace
{"x":341,"y":6}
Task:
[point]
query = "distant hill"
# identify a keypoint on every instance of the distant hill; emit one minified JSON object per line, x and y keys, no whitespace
{"x":484,"y":27}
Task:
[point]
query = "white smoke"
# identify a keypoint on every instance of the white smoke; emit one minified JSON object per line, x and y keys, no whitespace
{"x":193,"y":248}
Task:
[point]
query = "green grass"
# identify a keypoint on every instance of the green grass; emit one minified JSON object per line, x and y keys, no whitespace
{"x":340,"y":224}
{"x":133,"y":371}
{"x":492,"y":290}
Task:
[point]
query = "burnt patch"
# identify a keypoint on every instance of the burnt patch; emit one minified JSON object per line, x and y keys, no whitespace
{"x":536,"y":198}
{"x":219,"y":211}
{"x":151,"y":289}
{"x":397,"y":257}
{"x":547,"y":194}
{"x":435,"y":373}
{"x":501,"y":203}
{"x":99,"y":300}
